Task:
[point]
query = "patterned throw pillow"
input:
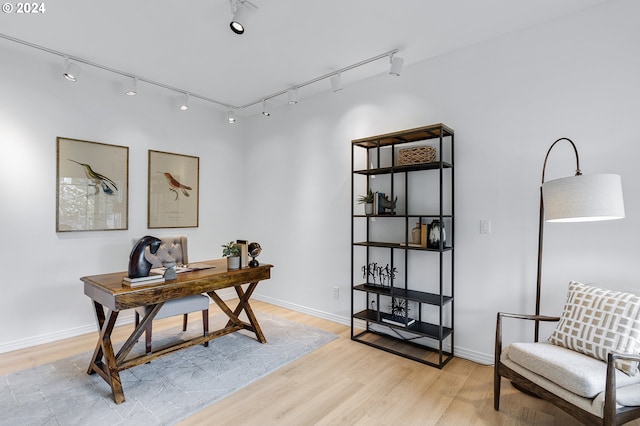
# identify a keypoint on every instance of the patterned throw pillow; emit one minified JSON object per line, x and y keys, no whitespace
{"x":596,"y":321}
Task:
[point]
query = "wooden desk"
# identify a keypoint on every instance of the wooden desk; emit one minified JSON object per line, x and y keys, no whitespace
{"x":107,"y":293}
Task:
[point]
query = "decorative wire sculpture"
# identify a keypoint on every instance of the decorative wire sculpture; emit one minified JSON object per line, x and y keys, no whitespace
{"x":384,"y":274}
{"x":399,"y":308}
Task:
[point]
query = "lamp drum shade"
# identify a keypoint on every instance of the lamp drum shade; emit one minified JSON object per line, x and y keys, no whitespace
{"x":583,"y":198}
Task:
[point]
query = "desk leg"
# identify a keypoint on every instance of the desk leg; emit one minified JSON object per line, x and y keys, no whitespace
{"x":243,"y":304}
{"x":103,"y":361}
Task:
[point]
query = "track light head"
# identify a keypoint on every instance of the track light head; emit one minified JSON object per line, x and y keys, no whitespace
{"x":396,"y":65}
{"x":240,"y":10}
{"x":231,"y":117}
{"x":185,"y":104}
{"x":336,"y":82}
{"x":292,"y":95}
{"x":72,"y":70}
{"x":134,"y":88}
{"x":265,"y":108}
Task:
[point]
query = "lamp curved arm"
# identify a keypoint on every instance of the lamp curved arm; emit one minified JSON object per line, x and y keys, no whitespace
{"x":541,"y":229}
{"x":544,"y":166}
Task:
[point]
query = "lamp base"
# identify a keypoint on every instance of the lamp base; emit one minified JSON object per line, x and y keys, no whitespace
{"x":254,"y":263}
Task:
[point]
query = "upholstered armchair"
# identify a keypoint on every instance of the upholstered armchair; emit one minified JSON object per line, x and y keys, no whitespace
{"x":589,"y":366}
{"x":176,"y":249}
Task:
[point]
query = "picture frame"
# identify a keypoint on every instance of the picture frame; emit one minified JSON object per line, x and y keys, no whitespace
{"x":92,"y":186}
{"x":173,"y":190}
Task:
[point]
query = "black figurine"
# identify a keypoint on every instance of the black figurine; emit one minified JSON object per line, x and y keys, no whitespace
{"x":138,"y":265}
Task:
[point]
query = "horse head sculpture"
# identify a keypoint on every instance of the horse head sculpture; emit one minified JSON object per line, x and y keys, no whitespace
{"x":138,"y":265}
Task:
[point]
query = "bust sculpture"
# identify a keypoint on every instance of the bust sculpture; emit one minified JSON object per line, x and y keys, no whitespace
{"x":139,"y":266}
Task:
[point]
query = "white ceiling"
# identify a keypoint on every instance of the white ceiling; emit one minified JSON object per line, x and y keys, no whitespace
{"x":188,"y":44}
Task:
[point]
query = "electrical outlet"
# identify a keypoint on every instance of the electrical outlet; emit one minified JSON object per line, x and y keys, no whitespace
{"x":485,"y":226}
{"x":336,"y":292}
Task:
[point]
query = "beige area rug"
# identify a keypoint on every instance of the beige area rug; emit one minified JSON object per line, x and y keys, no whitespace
{"x":162,"y":392}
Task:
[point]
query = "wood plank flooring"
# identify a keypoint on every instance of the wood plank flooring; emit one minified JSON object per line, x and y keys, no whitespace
{"x":343,"y":383}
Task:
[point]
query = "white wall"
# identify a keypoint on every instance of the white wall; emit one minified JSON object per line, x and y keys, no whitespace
{"x":41,"y":295}
{"x":507,"y":100}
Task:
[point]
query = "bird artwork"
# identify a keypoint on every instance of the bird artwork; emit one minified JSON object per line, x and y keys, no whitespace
{"x":174,"y":185}
{"x":108,"y":186}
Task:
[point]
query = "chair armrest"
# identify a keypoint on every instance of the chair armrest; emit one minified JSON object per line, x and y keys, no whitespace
{"x":617,"y":355}
{"x":610,"y":389}
{"x":527,"y":317}
{"x":498,"y":343}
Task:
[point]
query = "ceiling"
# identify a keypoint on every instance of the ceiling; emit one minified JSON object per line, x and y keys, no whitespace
{"x":188,"y":44}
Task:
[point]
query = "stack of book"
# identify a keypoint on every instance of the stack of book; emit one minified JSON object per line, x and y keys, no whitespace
{"x":149,"y":279}
{"x":396,"y":319}
{"x":244,"y":252}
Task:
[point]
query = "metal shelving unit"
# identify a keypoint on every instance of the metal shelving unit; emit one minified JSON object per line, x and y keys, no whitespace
{"x":427,"y":334}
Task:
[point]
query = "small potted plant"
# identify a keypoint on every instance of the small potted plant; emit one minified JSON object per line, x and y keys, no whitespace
{"x":367,"y":200}
{"x":232,"y":252}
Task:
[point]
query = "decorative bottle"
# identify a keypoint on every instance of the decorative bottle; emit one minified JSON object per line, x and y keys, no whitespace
{"x":434,"y":234}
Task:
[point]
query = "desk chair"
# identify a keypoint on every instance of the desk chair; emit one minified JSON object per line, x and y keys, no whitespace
{"x":176,"y":248}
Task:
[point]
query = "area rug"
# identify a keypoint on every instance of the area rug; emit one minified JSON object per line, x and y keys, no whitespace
{"x":162,"y":392}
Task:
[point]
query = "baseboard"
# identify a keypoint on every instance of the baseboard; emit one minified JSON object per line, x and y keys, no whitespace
{"x":474,"y":356}
{"x":126,"y":317}
{"x":304,"y":309}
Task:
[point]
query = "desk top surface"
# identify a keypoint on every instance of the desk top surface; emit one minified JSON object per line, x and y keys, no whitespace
{"x":108,"y":290}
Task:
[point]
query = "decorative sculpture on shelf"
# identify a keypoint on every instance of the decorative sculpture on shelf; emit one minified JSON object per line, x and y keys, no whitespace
{"x":254,"y":250}
{"x":385,"y":274}
{"x":385,"y":205}
{"x":139,"y":266}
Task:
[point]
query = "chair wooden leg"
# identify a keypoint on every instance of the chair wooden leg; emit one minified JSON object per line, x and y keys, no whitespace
{"x":205,"y":325}
{"x":184,"y":322}
{"x":147,"y":339}
{"x":497,"y":381}
{"x":137,"y":318}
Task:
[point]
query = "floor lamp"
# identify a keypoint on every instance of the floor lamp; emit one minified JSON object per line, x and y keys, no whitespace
{"x":576,"y":199}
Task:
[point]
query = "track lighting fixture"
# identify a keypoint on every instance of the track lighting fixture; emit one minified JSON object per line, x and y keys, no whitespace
{"x":240,"y":10}
{"x":72,"y":73}
{"x":134,"y":88}
{"x":396,"y":65}
{"x":185,"y":104}
{"x":266,"y":111}
{"x":72,"y":70}
{"x":336,"y":82}
{"x":292,"y":95}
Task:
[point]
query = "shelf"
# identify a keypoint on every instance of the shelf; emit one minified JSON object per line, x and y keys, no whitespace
{"x":433,"y":131}
{"x":421,"y":341}
{"x":396,"y":246}
{"x":402,"y":169}
{"x":401,"y":293}
{"x":424,"y":329}
{"x":425,"y":216}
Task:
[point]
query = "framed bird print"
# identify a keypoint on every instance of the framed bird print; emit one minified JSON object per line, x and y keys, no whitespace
{"x":92,"y":192}
{"x":173,"y":193}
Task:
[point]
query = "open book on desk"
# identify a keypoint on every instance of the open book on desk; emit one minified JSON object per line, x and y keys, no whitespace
{"x":185,"y":268}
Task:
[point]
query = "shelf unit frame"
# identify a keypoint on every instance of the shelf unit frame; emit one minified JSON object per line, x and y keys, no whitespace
{"x":436,"y":334}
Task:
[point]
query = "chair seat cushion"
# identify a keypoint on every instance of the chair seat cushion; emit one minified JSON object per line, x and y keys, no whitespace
{"x":578,"y":373}
{"x":184,"y":305}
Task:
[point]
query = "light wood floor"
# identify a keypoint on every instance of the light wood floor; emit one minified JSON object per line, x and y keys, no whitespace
{"x":344,"y":383}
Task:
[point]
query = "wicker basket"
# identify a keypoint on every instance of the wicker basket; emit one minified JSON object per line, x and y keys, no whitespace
{"x":416,"y":155}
